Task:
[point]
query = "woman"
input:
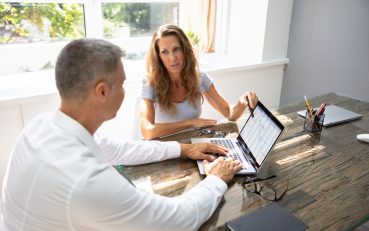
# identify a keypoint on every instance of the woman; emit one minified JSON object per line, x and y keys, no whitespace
{"x":174,"y":89}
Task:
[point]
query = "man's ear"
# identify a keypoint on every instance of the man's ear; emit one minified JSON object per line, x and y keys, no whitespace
{"x":101,"y":91}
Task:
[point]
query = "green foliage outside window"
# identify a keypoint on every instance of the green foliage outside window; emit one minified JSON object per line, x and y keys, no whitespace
{"x":56,"y":21}
{"x":193,"y":37}
{"x":134,"y":15}
{"x":141,"y":18}
{"x":28,"y":22}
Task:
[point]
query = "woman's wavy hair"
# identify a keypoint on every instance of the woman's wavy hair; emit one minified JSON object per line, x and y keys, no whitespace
{"x":158,"y":76}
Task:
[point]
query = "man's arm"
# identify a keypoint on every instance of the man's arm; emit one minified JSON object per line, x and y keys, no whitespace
{"x":141,"y":152}
{"x":136,"y":152}
{"x":104,"y":200}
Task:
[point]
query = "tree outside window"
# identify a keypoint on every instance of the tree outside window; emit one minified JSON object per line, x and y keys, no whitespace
{"x":32,"y":33}
{"x":141,"y":18}
{"x":33,"y":22}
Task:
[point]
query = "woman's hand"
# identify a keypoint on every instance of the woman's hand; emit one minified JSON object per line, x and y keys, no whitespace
{"x":251,"y":101}
{"x":199,"y":123}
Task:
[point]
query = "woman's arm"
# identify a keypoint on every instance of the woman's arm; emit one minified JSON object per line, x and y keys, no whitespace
{"x":151,"y":130}
{"x":233,"y":112}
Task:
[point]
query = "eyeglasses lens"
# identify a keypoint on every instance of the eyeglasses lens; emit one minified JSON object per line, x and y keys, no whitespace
{"x":268,"y":193}
{"x":265,"y":191}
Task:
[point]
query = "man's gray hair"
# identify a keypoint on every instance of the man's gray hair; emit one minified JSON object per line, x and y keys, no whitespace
{"x":84,"y":62}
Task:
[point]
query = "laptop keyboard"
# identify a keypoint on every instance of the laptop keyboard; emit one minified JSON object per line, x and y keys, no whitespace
{"x":232,"y":151}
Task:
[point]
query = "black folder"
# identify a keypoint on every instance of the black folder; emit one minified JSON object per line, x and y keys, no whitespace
{"x":272,"y":217}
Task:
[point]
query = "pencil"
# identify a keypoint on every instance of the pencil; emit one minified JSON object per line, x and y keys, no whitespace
{"x":308,"y":106}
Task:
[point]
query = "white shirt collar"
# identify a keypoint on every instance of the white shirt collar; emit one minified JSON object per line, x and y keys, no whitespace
{"x":76,"y":129}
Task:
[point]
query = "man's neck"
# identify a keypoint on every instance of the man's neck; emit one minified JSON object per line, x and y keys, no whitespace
{"x":82,"y":114}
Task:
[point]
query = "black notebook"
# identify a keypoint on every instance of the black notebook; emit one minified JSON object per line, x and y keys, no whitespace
{"x":272,"y":217}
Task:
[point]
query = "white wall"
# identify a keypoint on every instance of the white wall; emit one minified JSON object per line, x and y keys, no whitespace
{"x":259,"y":30}
{"x":247,"y":28}
{"x":277,"y":29}
{"x":328,"y":50}
{"x":266,"y":81}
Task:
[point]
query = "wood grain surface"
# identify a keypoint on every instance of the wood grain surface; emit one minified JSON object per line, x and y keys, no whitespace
{"x":328,"y":172}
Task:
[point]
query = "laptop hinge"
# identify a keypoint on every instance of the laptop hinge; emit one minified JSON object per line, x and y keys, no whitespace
{"x":245,"y":150}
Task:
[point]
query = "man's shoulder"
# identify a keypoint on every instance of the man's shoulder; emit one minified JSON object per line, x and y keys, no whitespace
{"x":42,"y":116}
{"x":38,"y":121}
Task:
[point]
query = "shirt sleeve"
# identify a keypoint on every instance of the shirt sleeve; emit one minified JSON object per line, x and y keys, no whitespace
{"x":147,"y":91}
{"x":136,"y":152}
{"x":205,"y":81}
{"x":104,"y":200}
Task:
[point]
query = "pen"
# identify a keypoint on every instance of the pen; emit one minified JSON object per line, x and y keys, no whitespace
{"x":318,"y":113}
{"x":248,"y":102}
{"x":321,"y":109}
{"x":308,"y":106}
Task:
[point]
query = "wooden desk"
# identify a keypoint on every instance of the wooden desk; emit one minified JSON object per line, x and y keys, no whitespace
{"x":328,"y":173}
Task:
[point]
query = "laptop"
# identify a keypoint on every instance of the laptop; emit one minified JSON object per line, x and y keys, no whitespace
{"x":335,"y":115}
{"x":253,"y":144}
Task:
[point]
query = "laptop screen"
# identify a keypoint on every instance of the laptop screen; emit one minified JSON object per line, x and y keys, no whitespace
{"x":261,"y":132}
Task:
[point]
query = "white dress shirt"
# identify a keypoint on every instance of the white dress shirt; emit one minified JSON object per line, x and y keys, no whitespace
{"x":60,"y":178}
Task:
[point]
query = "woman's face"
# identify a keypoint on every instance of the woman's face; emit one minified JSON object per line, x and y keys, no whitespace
{"x":171,"y":54}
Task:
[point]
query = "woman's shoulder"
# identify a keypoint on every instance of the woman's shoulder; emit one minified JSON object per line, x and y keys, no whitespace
{"x":148,"y":90}
{"x":205,"y":81}
{"x":202,"y":73}
{"x":205,"y":77}
{"x":145,"y":79}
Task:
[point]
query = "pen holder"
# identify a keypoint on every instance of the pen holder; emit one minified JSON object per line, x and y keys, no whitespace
{"x":313,"y":123}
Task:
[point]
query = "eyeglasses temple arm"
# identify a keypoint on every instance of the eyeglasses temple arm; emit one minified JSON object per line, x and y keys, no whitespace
{"x":262,"y":179}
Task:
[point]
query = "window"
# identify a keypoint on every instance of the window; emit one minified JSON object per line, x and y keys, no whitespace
{"x":32,"y":33}
{"x":35,"y":22}
{"x":132,"y":24}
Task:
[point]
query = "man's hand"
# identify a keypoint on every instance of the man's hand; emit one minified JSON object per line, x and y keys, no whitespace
{"x":202,"y":151}
{"x":224,"y":169}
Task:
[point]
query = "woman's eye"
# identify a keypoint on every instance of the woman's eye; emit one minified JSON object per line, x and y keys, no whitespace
{"x":176,"y":49}
{"x":164,"y":52}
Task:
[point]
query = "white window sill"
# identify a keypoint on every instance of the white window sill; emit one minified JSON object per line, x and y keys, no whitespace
{"x":28,"y":85}
{"x":215,"y":63}
{"x":31,"y":85}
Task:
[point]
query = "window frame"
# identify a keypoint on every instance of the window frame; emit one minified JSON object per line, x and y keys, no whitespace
{"x":93,"y":21}
{"x":93,"y":9}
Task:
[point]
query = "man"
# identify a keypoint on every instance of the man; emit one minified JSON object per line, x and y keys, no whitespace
{"x":60,"y":178}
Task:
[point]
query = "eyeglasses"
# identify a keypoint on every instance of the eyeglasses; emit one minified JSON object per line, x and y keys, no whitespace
{"x":265,"y":191}
{"x":208,"y":131}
